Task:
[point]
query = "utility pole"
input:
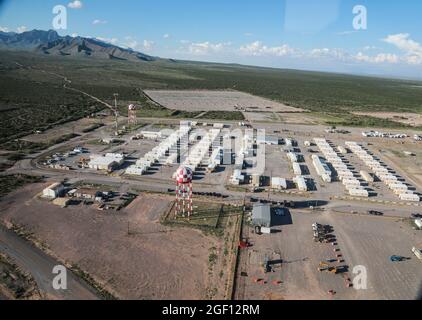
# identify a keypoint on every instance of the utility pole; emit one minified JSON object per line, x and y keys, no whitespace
{"x":116,"y":113}
{"x":269,"y":188}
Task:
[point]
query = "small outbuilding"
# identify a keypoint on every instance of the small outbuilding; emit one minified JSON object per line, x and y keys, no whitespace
{"x":88,"y":194}
{"x":278,"y":183}
{"x":261,"y":215}
{"x":53,"y":191}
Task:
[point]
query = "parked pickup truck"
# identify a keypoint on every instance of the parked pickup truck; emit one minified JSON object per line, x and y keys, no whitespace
{"x":417,"y":252}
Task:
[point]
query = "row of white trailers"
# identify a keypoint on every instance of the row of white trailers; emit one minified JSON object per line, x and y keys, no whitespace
{"x":202,"y":149}
{"x":384,"y":174}
{"x":352,"y":184}
{"x":246,"y":150}
{"x":152,"y":157}
{"x":294,"y":159}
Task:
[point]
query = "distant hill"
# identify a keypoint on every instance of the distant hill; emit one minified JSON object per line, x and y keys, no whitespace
{"x":51,"y":43}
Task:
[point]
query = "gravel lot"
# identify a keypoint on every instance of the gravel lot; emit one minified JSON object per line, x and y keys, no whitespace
{"x":204,"y":100}
{"x":366,"y":241}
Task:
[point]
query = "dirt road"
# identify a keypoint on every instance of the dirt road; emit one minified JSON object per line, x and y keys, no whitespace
{"x":40,"y":265}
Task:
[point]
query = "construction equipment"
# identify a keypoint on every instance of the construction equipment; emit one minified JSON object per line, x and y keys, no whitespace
{"x":323,"y":266}
{"x":267,"y":265}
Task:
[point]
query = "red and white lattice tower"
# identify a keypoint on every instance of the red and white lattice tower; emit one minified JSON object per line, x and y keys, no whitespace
{"x":184,"y":205}
{"x":132,"y":119}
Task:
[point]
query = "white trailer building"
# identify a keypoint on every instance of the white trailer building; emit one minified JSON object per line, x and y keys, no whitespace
{"x":301,"y":183}
{"x":411,"y":197}
{"x":359,"y":193}
{"x":106,"y":163}
{"x":278,"y":183}
{"x":53,"y":191}
{"x":366,"y":176}
{"x":297,"y":169}
{"x":322,"y":168}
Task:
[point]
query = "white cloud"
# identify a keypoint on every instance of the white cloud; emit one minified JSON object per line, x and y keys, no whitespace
{"x":21,"y":29}
{"x":333,"y":53}
{"x":98,"y":21}
{"x":166,"y":36}
{"x":148,"y":45}
{"x":74,"y":35}
{"x":369,"y":48}
{"x":342,"y":55}
{"x":75,"y":4}
{"x":346,"y":33}
{"x":368,"y":55}
{"x":206,"y":48}
{"x":108,"y":40}
{"x":248,"y":34}
{"x":411,"y":48}
{"x":130,"y":42}
{"x":4,"y":29}
{"x":379,"y":58}
{"x":134,"y":44}
{"x":257,"y":48}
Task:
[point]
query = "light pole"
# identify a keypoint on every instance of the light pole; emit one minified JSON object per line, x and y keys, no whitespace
{"x":116,"y":113}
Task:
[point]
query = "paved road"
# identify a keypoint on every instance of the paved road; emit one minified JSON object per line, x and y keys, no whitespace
{"x":40,"y":265}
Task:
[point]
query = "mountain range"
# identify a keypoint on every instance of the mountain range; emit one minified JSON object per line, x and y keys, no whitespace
{"x":51,"y":43}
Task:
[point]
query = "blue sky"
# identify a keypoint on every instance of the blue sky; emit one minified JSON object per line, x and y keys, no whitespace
{"x":303,"y":34}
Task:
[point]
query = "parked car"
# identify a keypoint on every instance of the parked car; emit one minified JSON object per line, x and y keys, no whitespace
{"x":397,"y":258}
{"x":375,"y":213}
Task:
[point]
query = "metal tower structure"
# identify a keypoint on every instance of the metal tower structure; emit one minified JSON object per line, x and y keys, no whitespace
{"x":116,"y":114}
{"x":184,"y":177}
{"x":132,"y":119}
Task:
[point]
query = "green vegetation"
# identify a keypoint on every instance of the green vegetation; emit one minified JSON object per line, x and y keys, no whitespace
{"x":32,"y":99}
{"x":27,"y":147}
{"x":361,"y":121}
{"x":10,"y":183}
{"x":17,"y":284}
{"x":102,"y":292}
{"x":93,"y":127}
{"x":223,"y":115}
{"x":15,"y":156}
{"x":210,"y":218}
{"x":27,"y":106}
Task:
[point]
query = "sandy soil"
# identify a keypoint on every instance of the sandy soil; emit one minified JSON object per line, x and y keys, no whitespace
{"x":76,"y":127}
{"x":205,"y":100}
{"x":413,"y":119}
{"x":152,"y":262}
{"x":282,"y":117}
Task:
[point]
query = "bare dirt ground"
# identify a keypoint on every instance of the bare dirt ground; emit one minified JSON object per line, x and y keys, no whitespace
{"x":206,"y":100}
{"x":58,"y":131}
{"x":150,"y":262}
{"x":413,"y":119}
{"x":282,"y":117}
